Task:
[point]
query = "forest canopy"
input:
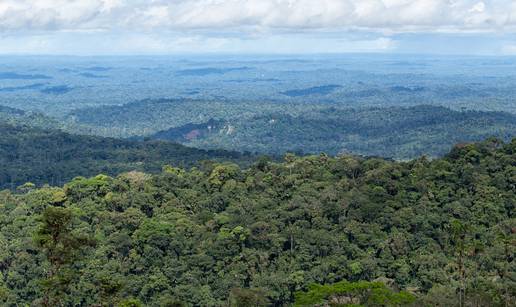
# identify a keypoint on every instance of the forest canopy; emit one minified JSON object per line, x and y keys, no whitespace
{"x":50,"y":156}
{"x":308,"y":230}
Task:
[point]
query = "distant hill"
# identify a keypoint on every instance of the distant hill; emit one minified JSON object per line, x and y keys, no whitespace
{"x":150,"y":116}
{"x":191,"y":132}
{"x":275,"y":128}
{"x":40,"y":156}
{"x":15,"y":116}
{"x":8,"y":111}
{"x":316,"y":90}
{"x":401,"y":133}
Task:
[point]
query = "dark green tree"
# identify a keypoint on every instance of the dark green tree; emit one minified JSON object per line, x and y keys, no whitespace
{"x":62,"y":247}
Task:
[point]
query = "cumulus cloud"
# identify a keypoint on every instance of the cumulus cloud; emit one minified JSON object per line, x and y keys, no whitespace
{"x":286,"y":26}
{"x":259,"y":15}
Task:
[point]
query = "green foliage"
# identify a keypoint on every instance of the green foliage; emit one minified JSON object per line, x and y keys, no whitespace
{"x":275,"y":128}
{"x":222,"y":173}
{"x":36,"y":156}
{"x":247,"y":298}
{"x":396,"y":132}
{"x":130,"y":303}
{"x":310,"y":228}
{"x":61,"y":246}
{"x":353,"y":293}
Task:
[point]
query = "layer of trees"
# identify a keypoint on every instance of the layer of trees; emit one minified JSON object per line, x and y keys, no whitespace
{"x":31,"y":154}
{"x":399,"y":133}
{"x":275,"y":128}
{"x":309,"y":230}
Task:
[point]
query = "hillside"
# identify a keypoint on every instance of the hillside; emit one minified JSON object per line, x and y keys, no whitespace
{"x":275,"y":128}
{"x":400,"y":133}
{"x":46,"y":156}
{"x":148,"y":116}
{"x":267,"y":235}
{"x":18,"y":117}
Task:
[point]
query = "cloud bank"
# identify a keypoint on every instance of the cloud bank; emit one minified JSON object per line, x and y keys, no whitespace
{"x":89,"y":27}
{"x":258,"y":16}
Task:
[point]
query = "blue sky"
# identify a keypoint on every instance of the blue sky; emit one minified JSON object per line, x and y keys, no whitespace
{"x":98,"y":27}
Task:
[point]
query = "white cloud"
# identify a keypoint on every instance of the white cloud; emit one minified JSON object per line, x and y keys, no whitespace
{"x":86,"y":43}
{"x":478,"y":8}
{"x":284,"y":26}
{"x":259,"y":15}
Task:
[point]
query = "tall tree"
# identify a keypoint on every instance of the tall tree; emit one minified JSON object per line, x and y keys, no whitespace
{"x":61,"y":247}
{"x":459,"y":232}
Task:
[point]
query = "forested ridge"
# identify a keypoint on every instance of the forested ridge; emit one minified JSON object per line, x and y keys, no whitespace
{"x":306,"y":231}
{"x":398,"y":133}
{"x":270,"y":128}
{"x":51,"y":156}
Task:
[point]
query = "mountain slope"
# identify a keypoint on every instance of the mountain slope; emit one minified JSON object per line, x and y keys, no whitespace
{"x":401,"y":133}
{"x":276,"y":127}
{"x":52,"y":156}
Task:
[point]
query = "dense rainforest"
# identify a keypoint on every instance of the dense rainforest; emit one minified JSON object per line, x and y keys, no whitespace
{"x":273,"y":128}
{"x":270,"y":128}
{"x":309,"y":230}
{"x":399,"y":133}
{"x":47,"y":155}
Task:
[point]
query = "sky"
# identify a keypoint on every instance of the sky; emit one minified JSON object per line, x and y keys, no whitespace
{"x":141,"y":27}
